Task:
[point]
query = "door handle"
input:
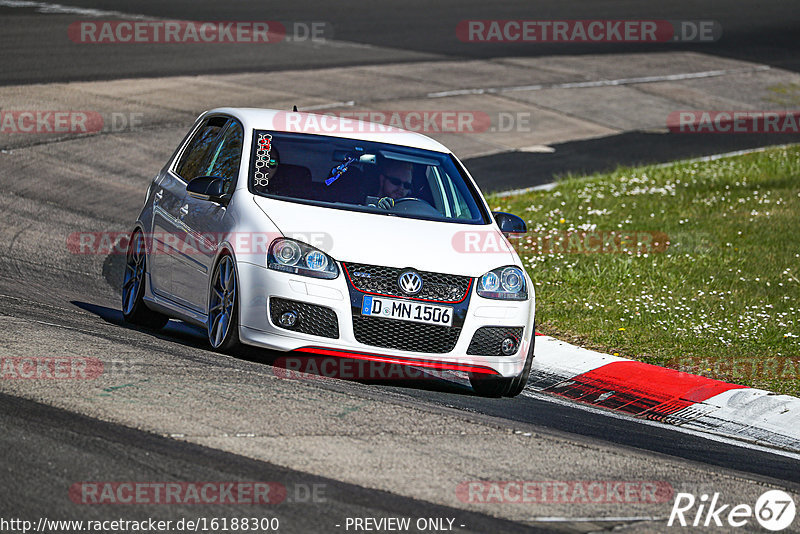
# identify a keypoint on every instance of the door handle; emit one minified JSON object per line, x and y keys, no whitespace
{"x":184,"y":210}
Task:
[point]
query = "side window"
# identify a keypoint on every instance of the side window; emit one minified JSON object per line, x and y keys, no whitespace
{"x":448,"y":198}
{"x":436,"y":189}
{"x":190,"y":164}
{"x":224,"y":159}
{"x":460,"y":205}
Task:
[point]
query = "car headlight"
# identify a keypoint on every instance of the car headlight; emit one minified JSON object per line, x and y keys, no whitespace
{"x":504,"y":283}
{"x":294,"y":257}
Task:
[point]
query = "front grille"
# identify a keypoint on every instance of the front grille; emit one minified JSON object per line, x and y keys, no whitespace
{"x":383,"y":280}
{"x":400,"y":335}
{"x":487,"y":340}
{"x":314,"y":320}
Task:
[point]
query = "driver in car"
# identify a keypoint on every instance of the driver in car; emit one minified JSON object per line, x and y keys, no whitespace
{"x":394,"y":181}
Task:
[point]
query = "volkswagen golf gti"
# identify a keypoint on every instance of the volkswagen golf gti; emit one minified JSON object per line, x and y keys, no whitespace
{"x":320,"y":235}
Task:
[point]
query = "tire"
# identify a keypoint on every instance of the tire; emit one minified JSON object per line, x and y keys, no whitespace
{"x":134,"y":310}
{"x":493,"y":386}
{"x":223,"y":306}
{"x":521,"y":380}
{"x":490,"y":386}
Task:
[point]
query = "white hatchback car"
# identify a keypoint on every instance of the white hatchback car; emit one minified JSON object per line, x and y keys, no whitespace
{"x":341,"y":238}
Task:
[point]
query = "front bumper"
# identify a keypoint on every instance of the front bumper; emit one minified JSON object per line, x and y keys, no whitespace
{"x":258,"y":284}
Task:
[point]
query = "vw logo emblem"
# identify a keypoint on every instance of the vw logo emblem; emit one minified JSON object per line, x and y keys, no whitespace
{"x":410,"y":283}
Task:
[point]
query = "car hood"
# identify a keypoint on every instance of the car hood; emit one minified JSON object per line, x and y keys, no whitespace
{"x":349,"y":236}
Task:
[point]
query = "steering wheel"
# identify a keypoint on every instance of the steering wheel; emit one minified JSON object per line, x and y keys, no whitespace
{"x":388,"y":203}
{"x":410,"y":206}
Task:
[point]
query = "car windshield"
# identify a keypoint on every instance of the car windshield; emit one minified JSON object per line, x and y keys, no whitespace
{"x":363,"y":176}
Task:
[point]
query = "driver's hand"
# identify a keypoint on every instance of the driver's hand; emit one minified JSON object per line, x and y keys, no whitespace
{"x":386,"y":203}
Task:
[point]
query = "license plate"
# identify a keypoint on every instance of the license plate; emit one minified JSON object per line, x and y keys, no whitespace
{"x":405,"y":310}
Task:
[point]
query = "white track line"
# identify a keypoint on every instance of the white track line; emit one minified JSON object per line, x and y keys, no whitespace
{"x":713,"y":157}
{"x":595,"y":519}
{"x":60,"y":9}
{"x":600,"y":83}
{"x":523,"y":190}
{"x":349,"y":103}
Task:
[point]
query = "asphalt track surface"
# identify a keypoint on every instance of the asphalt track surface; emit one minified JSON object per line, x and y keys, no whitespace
{"x":532,"y":413}
{"x":76,"y":445}
{"x":46,"y":448}
{"x":35,"y":49}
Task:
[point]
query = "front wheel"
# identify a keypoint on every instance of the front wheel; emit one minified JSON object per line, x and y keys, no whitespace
{"x":223,"y":309}
{"x":490,"y":386}
{"x":494,"y":386}
{"x":521,"y":380}
{"x":134,"y":310}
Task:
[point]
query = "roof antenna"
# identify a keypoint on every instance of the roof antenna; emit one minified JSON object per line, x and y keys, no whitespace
{"x":294,"y":108}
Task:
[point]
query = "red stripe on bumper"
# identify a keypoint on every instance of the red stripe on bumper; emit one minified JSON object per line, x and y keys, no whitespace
{"x":640,"y":389}
{"x":398,"y":360}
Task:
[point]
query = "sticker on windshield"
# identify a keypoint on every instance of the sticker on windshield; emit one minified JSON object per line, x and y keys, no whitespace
{"x":263,"y":160}
{"x":339,"y":170}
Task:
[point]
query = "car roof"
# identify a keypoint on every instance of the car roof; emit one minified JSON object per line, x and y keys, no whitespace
{"x":330,"y":125}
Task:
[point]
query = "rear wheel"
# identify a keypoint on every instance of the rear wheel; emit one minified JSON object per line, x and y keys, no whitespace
{"x":134,"y":310}
{"x":494,"y":386}
{"x":223,"y":309}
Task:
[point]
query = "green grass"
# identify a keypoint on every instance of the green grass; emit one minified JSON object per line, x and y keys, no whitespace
{"x":722,"y":299}
{"x":786,"y":95}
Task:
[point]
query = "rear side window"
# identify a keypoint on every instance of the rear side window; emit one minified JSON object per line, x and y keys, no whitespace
{"x":191,"y":163}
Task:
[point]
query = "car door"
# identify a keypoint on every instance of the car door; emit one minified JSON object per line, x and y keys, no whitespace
{"x":166,"y":203}
{"x":169,"y":258}
{"x":206,"y":220}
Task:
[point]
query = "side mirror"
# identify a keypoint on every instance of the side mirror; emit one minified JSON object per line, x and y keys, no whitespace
{"x":208,"y":188}
{"x":509,"y":223}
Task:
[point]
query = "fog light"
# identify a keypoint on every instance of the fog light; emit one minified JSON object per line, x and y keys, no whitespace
{"x":288,"y":319}
{"x":509,"y":346}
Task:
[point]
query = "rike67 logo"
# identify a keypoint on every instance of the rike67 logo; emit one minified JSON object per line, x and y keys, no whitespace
{"x":774,"y":510}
